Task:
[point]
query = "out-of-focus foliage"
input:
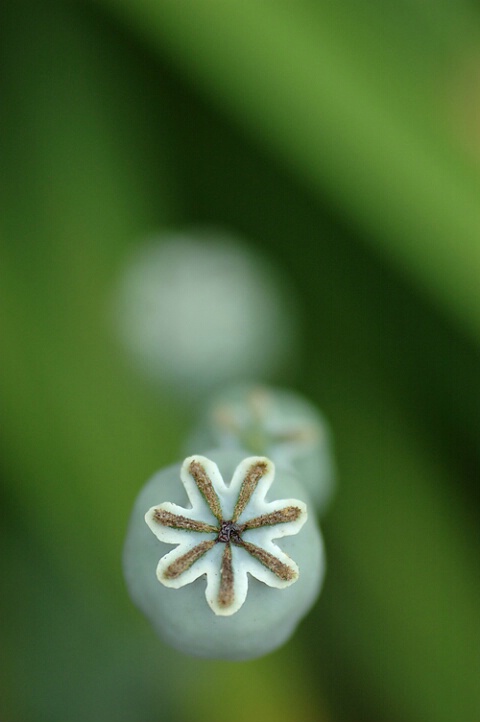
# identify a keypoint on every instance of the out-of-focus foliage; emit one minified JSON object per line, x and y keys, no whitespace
{"x":343,"y":140}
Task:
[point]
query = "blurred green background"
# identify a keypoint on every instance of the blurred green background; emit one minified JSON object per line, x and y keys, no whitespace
{"x":342,"y":139}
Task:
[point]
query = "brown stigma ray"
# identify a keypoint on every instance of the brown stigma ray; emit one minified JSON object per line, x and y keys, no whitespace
{"x":223,"y":416}
{"x":180,"y":565}
{"x":282,"y":516}
{"x":226,"y":593}
{"x":307,"y":435}
{"x":249,"y":484}
{"x":175,"y":521}
{"x":281,"y":570}
{"x":205,"y":487}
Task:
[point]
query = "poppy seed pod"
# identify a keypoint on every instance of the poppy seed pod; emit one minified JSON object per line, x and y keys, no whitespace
{"x":278,"y":423}
{"x":236,"y":312}
{"x":222,"y":555}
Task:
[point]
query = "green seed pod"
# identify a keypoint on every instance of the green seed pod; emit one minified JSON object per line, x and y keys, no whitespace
{"x":276,"y":423}
{"x":248,"y":562}
{"x":199,"y":308}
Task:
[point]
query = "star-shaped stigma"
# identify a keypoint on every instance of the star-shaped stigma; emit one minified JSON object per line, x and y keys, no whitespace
{"x":227,"y":533}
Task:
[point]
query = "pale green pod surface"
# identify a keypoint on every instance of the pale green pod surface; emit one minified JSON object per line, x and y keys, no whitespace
{"x":278,"y":423}
{"x":223,"y":555}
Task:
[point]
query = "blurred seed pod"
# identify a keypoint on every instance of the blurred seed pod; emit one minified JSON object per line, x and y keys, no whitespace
{"x":197,"y":309}
{"x":277,"y":423}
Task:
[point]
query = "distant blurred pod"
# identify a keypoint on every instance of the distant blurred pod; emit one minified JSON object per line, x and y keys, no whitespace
{"x":199,"y":308}
{"x":278,"y":423}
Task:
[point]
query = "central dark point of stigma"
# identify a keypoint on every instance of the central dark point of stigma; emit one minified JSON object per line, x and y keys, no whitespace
{"x":228,"y":531}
